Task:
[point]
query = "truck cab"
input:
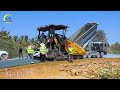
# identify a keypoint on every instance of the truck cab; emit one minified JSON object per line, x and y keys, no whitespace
{"x":96,"y":49}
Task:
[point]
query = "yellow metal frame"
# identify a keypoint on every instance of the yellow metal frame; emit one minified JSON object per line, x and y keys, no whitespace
{"x":77,"y":50}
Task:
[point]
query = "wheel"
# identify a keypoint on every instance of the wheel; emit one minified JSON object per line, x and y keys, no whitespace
{"x":81,"y":57}
{"x":3,"y":56}
{"x":89,"y":56}
{"x":105,"y":52}
{"x":100,"y":54}
{"x":86,"y":57}
{"x":92,"y":56}
{"x":77,"y":57}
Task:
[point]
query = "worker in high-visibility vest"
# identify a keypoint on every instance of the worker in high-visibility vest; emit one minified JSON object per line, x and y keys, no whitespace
{"x":43,"y":52}
{"x":30,"y":52}
{"x":70,"y":51}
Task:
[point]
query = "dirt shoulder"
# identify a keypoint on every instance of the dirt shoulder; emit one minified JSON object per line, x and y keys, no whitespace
{"x":80,"y":69}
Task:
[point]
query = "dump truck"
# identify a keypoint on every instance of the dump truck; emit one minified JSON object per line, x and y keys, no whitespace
{"x":80,"y":41}
{"x":84,"y":38}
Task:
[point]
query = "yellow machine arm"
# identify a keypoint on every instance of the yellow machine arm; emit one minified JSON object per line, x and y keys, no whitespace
{"x":56,"y":41}
{"x":77,"y":50}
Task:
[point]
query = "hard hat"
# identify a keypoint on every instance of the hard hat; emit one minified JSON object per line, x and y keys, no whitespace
{"x":42,"y":44}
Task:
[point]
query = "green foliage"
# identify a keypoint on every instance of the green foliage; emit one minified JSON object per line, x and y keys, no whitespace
{"x":26,"y":38}
{"x":24,"y":43}
{"x":10,"y":47}
{"x":4,"y":34}
{"x":15,"y":38}
{"x":115,"y":48}
{"x":116,"y":51}
{"x":12,"y":44}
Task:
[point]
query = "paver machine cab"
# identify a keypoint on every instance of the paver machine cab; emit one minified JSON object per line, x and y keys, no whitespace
{"x":58,"y":43}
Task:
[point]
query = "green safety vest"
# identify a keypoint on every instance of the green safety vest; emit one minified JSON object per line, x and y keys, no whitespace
{"x":70,"y":50}
{"x":42,"y":50}
{"x":30,"y":50}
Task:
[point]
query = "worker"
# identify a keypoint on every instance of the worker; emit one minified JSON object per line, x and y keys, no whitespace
{"x":43,"y":38}
{"x":20,"y":53}
{"x":48,"y":42}
{"x":70,"y":51}
{"x":30,"y":52}
{"x":42,"y":52}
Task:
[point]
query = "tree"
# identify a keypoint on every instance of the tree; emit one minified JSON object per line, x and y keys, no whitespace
{"x":15,"y":38}
{"x":33,"y":40}
{"x":26,"y":38}
{"x":24,"y":43}
{"x":22,"y":37}
{"x":4,"y":34}
{"x":116,"y":46}
{"x":101,"y":36}
{"x":10,"y":37}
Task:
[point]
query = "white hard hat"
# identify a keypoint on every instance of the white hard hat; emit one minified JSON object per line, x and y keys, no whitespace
{"x":42,"y":44}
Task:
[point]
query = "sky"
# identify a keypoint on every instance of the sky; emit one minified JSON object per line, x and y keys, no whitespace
{"x":26,"y":22}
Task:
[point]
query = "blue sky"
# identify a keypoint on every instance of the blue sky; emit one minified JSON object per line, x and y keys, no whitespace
{"x":26,"y":22}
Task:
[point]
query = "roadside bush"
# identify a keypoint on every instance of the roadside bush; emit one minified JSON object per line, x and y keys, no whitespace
{"x":116,"y":51}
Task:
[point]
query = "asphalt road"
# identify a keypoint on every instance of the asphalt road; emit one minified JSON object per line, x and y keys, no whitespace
{"x":112,"y":56}
{"x":16,"y":62}
{"x":19,"y":62}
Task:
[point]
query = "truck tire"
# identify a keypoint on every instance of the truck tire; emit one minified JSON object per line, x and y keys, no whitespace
{"x":105,"y":52}
{"x":89,"y":56}
{"x":100,"y":55}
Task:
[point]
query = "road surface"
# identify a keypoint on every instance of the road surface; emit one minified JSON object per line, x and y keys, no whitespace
{"x":19,"y":62}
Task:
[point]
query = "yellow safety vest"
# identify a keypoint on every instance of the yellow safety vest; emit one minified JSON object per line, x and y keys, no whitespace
{"x":42,"y":50}
{"x":30,"y":50}
{"x":70,"y":50}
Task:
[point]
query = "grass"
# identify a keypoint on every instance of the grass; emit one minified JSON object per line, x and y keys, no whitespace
{"x":116,"y":51}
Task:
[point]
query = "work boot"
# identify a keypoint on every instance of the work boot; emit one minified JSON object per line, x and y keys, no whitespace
{"x":71,"y":61}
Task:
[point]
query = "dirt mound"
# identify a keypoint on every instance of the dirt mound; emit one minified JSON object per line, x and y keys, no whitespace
{"x":92,"y":69}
